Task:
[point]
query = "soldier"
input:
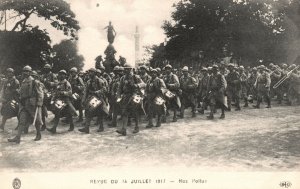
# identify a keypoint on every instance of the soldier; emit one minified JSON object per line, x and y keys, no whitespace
{"x":49,"y":79}
{"x":234,"y":87}
{"x":143,"y":74}
{"x":129,"y":95}
{"x":31,"y":101}
{"x":154,"y":93}
{"x":262,"y":85}
{"x":95,"y":89}
{"x":202,"y":88}
{"x":78,"y":88}
{"x":251,"y":82}
{"x":216,"y":89}
{"x":244,"y":85}
{"x":172,"y":83}
{"x":115,"y":107}
{"x":10,"y":94}
{"x":63,"y":93}
{"x":44,"y":112}
{"x":188,"y":85}
{"x":275,"y":76}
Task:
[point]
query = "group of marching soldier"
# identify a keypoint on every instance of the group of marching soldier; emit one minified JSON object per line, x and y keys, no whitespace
{"x":129,"y":93}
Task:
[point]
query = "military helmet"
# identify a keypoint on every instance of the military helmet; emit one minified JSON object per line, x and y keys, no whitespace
{"x":74,"y":69}
{"x":143,"y":67}
{"x":158,"y":69}
{"x":116,"y":68}
{"x":185,"y":69}
{"x":47,"y":66}
{"x":92,"y":70}
{"x":27,"y":68}
{"x":230,"y":65}
{"x":10,"y":70}
{"x":34,"y":73}
{"x":241,"y":68}
{"x":209,"y":68}
{"x":98,"y":71}
{"x":62,"y":72}
{"x":121,"y":68}
{"x":254,"y":68}
{"x":215,"y":66}
{"x":204,"y":69}
{"x":168,"y":66}
{"x":127,"y":66}
{"x":154,"y":70}
{"x":293,"y":66}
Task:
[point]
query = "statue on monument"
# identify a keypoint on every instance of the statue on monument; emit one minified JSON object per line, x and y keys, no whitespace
{"x":111,"y":33}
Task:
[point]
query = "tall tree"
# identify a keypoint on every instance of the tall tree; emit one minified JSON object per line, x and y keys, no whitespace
{"x":65,"y":56}
{"x":36,"y":51}
{"x":247,"y":28}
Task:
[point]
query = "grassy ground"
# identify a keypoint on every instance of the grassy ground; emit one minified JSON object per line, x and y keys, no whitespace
{"x":249,"y":140}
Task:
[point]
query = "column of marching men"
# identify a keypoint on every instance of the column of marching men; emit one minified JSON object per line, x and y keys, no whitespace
{"x":130,"y":93}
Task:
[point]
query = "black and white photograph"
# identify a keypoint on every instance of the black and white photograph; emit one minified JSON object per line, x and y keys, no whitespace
{"x":150,"y":94}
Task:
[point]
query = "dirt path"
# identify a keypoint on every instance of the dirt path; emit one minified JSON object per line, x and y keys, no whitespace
{"x":249,"y":140}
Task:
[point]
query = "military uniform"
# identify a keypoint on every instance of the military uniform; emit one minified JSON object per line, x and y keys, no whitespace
{"x":130,"y":86}
{"x":262,"y":84}
{"x":188,"y":85}
{"x":115,"y":107}
{"x":233,"y":89}
{"x":202,"y":90}
{"x":50,"y":81}
{"x":216,"y":93}
{"x":64,"y":93}
{"x":31,"y":101}
{"x":78,"y":89}
{"x":244,"y":87}
{"x":10,"y":98}
{"x":172,"y":83}
{"x":155,"y":99}
{"x":96,"y":87}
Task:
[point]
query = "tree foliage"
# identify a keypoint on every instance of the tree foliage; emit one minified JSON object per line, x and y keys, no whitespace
{"x":250,"y":29}
{"x":65,"y":56}
{"x":18,"y":49}
{"x":56,"y":11}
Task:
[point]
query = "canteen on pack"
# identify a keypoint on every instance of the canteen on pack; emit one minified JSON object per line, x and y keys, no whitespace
{"x":159,"y":101}
{"x":137,"y":99}
{"x":94,"y":102}
{"x":75,"y":96}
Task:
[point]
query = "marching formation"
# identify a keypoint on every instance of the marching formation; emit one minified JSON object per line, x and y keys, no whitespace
{"x":130,"y":93}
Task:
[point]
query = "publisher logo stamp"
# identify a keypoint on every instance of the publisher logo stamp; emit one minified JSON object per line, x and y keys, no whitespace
{"x":285,"y":184}
{"x":16,"y":183}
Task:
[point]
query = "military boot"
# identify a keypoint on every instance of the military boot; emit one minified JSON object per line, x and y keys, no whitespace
{"x":16,"y":139}
{"x":222,"y":116}
{"x":71,"y":127}
{"x":85,"y":129}
{"x":101,"y":128}
{"x":122,"y":131}
{"x":52,"y":130}
{"x":211,"y":116}
{"x":38,"y":136}
{"x":2,"y":127}
{"x":136,"y":129}
{"x":158,"y":123}
{"x":43,"y":128}
{"x":150,"y":123}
